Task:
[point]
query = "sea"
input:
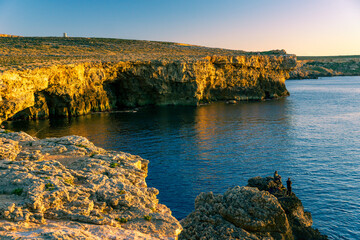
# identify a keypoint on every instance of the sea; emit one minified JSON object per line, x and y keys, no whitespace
{"x":312,"y":136}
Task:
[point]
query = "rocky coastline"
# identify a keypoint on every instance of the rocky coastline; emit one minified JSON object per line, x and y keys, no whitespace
{"x":67,"y":188}
{"x":315,"y":67}
{"x":78,"y":89}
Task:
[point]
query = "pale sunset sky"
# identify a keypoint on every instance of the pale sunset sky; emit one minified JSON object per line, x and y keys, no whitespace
{"x":302,"y":27}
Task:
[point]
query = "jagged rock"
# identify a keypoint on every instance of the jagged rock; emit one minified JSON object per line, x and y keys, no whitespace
{"x":249,"y":213}
{"x":72,"y":90}
{"x":47,"y":185}
{"x":300,"y":220}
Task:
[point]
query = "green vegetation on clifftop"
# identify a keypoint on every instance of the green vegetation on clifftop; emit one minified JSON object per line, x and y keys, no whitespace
{"x":30,"y":52}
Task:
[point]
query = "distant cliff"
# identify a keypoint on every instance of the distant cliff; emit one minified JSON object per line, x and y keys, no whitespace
{"x":315,"y":67}
{"x":8,"y":35}
{"x":77,"y":89}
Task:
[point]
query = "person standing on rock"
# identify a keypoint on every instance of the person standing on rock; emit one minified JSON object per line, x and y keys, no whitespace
{"x":288,"y":185}
{"x":277,"y":177}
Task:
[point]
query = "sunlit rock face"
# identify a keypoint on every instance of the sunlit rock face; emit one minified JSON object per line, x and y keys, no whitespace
{"x":67,"y":188}
{"x":72,"y":90}
{"x":249,"y":213}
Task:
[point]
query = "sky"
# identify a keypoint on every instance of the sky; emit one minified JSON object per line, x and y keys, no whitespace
{"x":302,"y":27}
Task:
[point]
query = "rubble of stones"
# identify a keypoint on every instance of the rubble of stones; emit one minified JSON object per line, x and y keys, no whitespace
{"x":67,"y":187}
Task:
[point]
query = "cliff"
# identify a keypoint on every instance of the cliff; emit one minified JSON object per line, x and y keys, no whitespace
{"x":67,"y":188}
{"x":250,"y":212}
{"x":315,"y":67}
{"x":77,"y":89}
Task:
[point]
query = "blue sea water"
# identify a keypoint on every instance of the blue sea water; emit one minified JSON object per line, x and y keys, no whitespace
{"x":313,"y":136}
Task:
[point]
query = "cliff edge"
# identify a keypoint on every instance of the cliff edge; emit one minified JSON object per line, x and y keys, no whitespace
{"x":67,"y":188}
{"x":77,"y":89}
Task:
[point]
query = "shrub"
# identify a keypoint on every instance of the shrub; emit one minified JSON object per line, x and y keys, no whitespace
{"x":49,"y":187}
{"x":113,"y":165}
{"x":147,"y":217}
{"x":18,"y":191}
{"x":121,"y":220}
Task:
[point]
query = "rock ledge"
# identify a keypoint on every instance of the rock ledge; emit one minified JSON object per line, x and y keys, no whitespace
{"x":67,"y":188}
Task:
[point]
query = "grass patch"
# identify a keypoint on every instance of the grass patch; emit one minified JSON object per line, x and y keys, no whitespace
{"x":49,"y":187}
{"x":147,"y":217}
{"x":114,"y":165}
{"x":17,"y":191}
{"x":32,"y":52}
{"x":121,"y":220}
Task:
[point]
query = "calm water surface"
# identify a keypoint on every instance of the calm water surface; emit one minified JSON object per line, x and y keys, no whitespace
{"x":313,"y":136}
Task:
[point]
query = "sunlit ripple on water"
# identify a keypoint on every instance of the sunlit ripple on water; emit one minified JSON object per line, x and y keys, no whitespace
{"x":313,"y":137}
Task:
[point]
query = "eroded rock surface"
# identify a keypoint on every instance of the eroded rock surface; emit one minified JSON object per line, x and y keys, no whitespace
{"x":67,"y":188}
{"x":72,"y":90}
{"x":250,"y":212}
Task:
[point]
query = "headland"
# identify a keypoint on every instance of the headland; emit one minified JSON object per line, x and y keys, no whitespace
{"x":51,"y":77}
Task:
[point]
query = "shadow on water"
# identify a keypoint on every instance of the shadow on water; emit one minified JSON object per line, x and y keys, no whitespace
{"x":311,"y":136}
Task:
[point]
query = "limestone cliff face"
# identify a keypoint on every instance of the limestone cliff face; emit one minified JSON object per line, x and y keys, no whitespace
{"x":71,"y":90}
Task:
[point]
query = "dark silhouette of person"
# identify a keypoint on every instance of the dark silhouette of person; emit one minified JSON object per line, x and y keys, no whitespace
{"x":277,"y":177}
{"x":288,"y":185}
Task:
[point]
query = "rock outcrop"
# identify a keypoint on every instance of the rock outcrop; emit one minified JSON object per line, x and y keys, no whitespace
{"x":250,"y":212}
{"x":67,"y":188}
{"x":71,"y":90}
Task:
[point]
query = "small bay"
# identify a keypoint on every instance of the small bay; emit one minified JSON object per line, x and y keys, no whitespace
{"x":313,"y":136}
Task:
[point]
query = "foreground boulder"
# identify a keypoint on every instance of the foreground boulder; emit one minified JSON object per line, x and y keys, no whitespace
{"x":249,"y":212}
{"x":67,"y":188}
